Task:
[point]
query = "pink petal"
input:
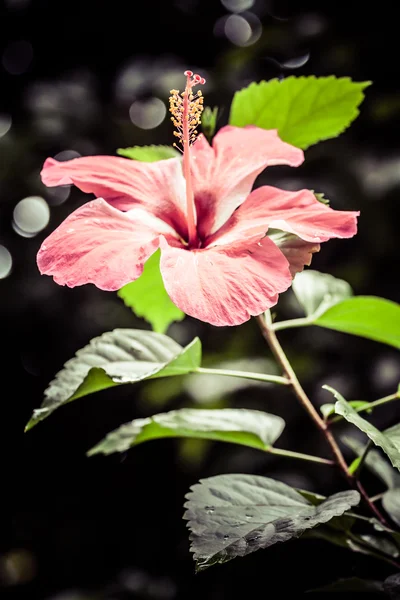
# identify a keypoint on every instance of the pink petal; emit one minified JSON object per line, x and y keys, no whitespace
{"x":297,"y":251}
{"x":224,"y":174}
{"x":159,"y":186}
{"x":225,"y":285}
{"x":295,"y":212}
{"x":102,"y":245}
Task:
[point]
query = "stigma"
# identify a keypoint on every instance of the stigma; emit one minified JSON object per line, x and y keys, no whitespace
{"x":186,"y":108}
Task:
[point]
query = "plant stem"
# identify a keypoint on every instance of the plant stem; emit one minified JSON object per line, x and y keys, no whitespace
{"x":282,"y":359}
{"x":244,"y":375}
{"x":301,"y":322}
{"x":363,"y":458}
{"x":301,"y":456}
{"x":265,"y":324}
{"x":368,"y":406}
{"x":377,"y":497}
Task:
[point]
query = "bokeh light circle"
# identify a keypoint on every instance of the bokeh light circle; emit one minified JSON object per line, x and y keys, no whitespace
{"x":243,"y":30}
{"x":237,"y":6}
{"x":31,"y":215}
{"x":5,"y":124}
{"x":5,"y":262}
{"x":147,"y":114}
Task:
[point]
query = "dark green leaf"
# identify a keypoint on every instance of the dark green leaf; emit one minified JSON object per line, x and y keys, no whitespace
{"x":316,"y":292}
{"x":117,"y":357}
{"x":374,"y":462}
{"x":391,"y":503}
{"x":344,"y":409}
{"x":234,"y":515}
{"x":147,"y":297}
{"x":240,"y":426}
{"x":149,"y":153}
{"x":304,"y":110}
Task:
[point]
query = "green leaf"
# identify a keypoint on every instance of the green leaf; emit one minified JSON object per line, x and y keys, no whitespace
{"x":117,"y":357}
{"x":374,"y":462}
{"x":149,"y":153}
{"x":316,"y":292}
{"x":239,"y":426}
{"x":327,"y":410}
{"x":147,"y":297}
{"x":304,"y":110}
{"x":367,"y":316}
{"x":344,"y":409}
{"x":391,"y":503}
{"x":234,"y":515}
{"x":327,"y":303}
{"x":354,"y":465}
{"x":381,"y":544}
{"x":209,"y":121}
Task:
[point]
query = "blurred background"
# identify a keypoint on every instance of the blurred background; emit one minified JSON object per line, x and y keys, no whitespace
{"x":87,"y":77}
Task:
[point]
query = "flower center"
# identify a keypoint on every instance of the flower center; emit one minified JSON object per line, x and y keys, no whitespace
{"x":186,"y":109}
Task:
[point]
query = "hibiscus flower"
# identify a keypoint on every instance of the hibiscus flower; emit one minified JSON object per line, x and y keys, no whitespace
{"x":218,"y":262}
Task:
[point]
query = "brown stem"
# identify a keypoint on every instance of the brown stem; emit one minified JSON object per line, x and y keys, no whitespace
{"x":269,"y":335}
{"x":371,"y":505}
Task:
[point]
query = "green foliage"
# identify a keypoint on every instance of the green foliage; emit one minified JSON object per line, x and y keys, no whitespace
{"x":234,"y":515}
{"x":316,"y":292}
{"x":209,"y":121}
{"x":240,"y":426}
{"x":117,"y":357}
{"x":147,"y":297}
{"x":329,"y":409}
{"x":149,"y":153}
{"x":327,"y":302}
{"x":304,"y":110}
{"x":391,"y":503}
{"x":366,"y":316}
{"x":374,"y":462}
{"x":383,"y":440}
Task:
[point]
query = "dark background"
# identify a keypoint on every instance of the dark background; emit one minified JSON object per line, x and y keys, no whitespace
{"x":74,"y":528}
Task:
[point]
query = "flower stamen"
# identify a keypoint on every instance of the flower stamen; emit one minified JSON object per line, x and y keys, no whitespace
{"x":186,"y":109}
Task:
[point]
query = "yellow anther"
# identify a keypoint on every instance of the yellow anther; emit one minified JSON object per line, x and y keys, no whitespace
{"x":186,"y":109}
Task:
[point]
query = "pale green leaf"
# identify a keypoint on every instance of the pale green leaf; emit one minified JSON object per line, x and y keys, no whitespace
{"x":239,"y":426}
{"x":147,"y":297}
{"x":376,"y":463}
{"x":209,"y":121}
{"x":117,"y":357}
{"x":316,"y":292}
{"x":149,"y":153}
{"x":304,"y":110}
{"x":344,"y":409}
{"x":234,"y":515}
{"x":327,"y":410}
{"x":391,"y":503}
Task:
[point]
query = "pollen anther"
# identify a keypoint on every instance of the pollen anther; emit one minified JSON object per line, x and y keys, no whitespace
{"x":186,"y":108}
